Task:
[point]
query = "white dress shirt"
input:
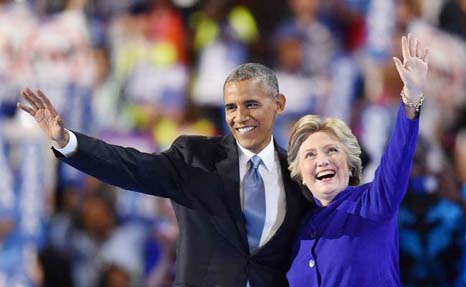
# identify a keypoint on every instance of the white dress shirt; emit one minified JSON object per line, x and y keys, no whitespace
{"x":275,"y":200}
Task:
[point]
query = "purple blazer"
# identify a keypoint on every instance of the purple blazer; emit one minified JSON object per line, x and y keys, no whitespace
{"x":353,"y":242}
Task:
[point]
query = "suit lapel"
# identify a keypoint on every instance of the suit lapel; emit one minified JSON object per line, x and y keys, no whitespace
{"x":285,"y":177}
{"x":228,"y":168}
{"x":227,"y":165}
{"x":291,"y":190}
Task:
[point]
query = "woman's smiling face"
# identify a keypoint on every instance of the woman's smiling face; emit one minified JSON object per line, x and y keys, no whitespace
{"x":323,"y":165}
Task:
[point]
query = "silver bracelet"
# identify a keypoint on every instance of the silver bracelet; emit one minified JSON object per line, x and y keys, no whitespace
{"x":409,"y":104}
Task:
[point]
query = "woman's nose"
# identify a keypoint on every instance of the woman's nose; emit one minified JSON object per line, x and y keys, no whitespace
{"x":323,"y":161}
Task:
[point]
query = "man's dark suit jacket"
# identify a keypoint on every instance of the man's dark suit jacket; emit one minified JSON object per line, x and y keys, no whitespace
{"x":201,"y":177}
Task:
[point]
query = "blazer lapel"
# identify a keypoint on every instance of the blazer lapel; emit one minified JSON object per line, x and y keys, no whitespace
{"x":228,"y":168}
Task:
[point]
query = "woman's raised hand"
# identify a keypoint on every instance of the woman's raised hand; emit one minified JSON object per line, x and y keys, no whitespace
{"x":413,"y":69}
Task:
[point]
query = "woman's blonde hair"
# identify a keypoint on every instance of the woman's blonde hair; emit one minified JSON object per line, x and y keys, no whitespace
{"x":310,"y":124}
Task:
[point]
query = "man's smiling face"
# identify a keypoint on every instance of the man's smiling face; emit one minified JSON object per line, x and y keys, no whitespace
{"x":250,"y":113}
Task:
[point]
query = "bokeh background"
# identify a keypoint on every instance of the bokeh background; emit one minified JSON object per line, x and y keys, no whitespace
{"x":141,"y":72}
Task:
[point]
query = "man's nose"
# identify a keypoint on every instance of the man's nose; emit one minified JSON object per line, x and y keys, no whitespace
{"x":242,"y":115}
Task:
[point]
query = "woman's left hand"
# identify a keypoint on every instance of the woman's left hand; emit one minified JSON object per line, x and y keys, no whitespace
{"x":413,"y":69}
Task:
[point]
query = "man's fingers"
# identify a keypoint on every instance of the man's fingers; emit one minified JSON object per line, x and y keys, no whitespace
{"x":28,"y":98}
{"x":46,"y":102}
{"x":33,"y":99}
{"x":27,"y":109}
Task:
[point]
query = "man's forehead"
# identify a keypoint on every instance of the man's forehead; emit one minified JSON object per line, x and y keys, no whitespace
{"x":251,"y":82}
{"x":242,"y":98}
{"x":247,"y":88}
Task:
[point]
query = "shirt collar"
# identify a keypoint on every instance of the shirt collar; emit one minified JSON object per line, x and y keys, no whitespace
{"x":267,"y":155}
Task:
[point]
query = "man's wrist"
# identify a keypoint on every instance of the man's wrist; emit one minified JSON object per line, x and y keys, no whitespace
{"x":70,"y":147}
{"x":65,"y":141}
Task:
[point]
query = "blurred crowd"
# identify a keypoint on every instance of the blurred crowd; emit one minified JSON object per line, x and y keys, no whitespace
{"x":141,"y":72}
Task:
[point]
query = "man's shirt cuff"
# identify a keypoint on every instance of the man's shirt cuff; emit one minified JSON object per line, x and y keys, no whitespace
{"x":70,"y":148}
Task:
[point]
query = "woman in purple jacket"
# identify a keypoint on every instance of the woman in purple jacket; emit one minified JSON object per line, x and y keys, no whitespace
{"x":351,"y":237}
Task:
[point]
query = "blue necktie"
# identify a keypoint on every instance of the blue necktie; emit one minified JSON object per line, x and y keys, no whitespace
{"x":254,"y":203}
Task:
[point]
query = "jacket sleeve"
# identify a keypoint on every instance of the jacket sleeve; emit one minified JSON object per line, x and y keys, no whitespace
{"x":390,"y":183}
{"x":128,"y":168}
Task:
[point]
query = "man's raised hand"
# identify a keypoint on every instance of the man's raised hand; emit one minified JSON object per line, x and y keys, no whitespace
{"x":42,"y":110}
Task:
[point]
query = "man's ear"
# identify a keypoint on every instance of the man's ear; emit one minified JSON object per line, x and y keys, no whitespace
{"x":280,"y":101}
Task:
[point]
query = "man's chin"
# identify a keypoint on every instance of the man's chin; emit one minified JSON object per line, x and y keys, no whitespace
{"x":247,"y":144}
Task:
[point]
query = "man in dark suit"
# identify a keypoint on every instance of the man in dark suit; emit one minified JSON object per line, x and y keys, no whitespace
{"x":237,"y":216}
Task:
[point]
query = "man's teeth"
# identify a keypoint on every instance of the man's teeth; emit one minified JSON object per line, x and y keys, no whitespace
{"x":245,"y":130}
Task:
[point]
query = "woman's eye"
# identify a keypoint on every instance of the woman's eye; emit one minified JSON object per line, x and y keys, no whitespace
{"x":309,"y":155}
{"x":332,"y":150}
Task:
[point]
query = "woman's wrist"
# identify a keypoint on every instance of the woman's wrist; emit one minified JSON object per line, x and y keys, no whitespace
{"x":412,"y":100}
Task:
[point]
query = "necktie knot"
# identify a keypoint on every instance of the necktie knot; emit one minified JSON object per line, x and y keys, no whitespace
{"x":255,"y":161}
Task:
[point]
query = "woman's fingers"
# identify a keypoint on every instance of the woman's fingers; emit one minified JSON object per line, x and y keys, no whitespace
{"x":411,"y":48}
{"x":404,"y":49}
{"x":425,"y":58}
{"x":418,"y":50}
{"x":400,"y":68}
{"x":411,"y":45}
